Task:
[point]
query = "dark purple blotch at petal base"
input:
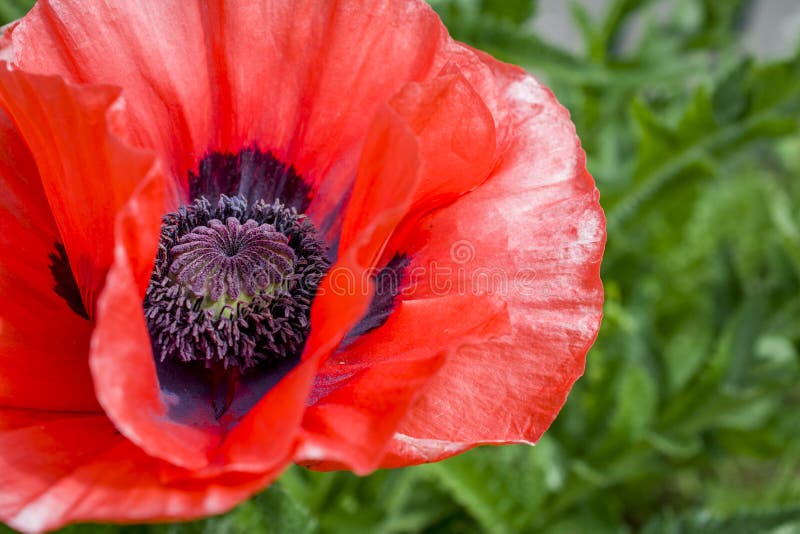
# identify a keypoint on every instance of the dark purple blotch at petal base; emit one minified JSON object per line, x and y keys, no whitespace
{"x":252,"y":174}
{"x":65,"y":285}
{"x":389,"y":282}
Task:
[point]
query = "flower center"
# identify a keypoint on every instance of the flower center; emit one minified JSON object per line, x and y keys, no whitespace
{"x":235,"y":294}
{"x":229,"y":264}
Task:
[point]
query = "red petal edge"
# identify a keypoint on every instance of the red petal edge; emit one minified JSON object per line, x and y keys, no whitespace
{"x":539,"y":222}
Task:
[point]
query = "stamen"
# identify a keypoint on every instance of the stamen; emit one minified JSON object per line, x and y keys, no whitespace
{"x":235,"y":294}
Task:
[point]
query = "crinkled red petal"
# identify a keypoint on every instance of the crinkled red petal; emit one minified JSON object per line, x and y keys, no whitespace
{"x":325,"y":68}
{"x":302,"y":79}
{"x":121,"y":357}
{"x":157,"y":52}
{"x":65,"y":468}
{"x":387,"y":178}
{"x":75,"y":137}
{"x":537,"y":228}
{"x":456,"y":135}
{"x":44,"y":343}
{"x":343,"y":423}
{"x":362,"y":393}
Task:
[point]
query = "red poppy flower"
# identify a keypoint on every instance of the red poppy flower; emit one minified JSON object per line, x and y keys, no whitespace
{"x":239,"y":234}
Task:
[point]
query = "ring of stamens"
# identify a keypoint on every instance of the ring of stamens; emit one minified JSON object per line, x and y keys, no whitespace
{"x":233,"y":294}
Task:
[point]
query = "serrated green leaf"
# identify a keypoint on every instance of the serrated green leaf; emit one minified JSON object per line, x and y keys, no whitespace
{"x":470,"y":487}
{"x":271,"y":512}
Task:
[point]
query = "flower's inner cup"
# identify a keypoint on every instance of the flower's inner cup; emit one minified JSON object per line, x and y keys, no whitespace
{"x":232,"y":286}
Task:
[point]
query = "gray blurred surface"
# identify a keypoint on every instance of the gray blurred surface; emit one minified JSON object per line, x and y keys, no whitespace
{"x":771,"y":29}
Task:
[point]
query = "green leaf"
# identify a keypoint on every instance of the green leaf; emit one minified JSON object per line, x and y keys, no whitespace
{"x":487,"y":484}
{"x":274,"y":511}
{"x":637,"y":401}
{"x":744,"y":342}
{"x":686,"y":351}
{"x":271,"y":512}
{"x":731,"y":100}
{"x":516,"y":11}
{"x":469,"y":486}
{"x":13,"y":9}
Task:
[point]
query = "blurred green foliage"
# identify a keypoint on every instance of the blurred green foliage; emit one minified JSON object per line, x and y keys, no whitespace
{"x":687,"y":418}
{"x":13,"y":9}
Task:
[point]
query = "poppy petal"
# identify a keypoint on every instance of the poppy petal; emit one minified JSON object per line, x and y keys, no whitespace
{"x":349,"y":427}
{"x":422,"y":118}
{"x":361,"y":393}
{"x":456,"y":135}
{"x":159,"y":57}
{"x":76,"y":136}
{"x":200,"y":74}
{"x":35,"y":451}
{"x":537,"y":224}
{"x":121,"y":359}
{"x":66,"y":468}
{"x":6,"y":53}
{"x":387,"y":177}
{"x":44,"y":342}
{"x":339,"y":64}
